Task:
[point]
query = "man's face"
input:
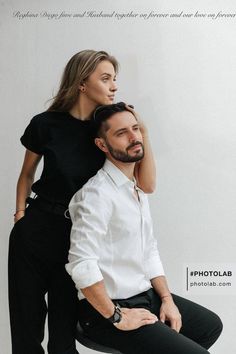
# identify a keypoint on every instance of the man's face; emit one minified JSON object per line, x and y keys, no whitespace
{"x":123,"y":140}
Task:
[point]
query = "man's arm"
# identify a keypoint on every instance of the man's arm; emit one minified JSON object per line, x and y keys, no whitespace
{"x":168,"y":311}
{"x":131,"y":318}
{"x":91,"y":211}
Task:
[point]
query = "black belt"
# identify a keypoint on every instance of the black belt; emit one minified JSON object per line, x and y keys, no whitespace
{"x":51,"y":207}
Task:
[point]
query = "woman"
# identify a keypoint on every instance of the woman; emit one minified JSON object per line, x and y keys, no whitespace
{"x":40,"y":239}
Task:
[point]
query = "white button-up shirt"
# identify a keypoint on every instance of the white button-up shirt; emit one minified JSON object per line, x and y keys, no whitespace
{"x":111,"y":236}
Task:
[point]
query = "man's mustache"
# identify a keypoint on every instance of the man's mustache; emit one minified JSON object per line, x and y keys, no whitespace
{"x":134,"y":144}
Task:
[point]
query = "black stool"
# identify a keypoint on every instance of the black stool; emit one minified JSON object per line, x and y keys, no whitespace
{"x":87,"y":342}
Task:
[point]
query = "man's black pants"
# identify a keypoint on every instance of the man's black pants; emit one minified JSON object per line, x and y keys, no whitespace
{"x":199,"y":331}
{"x":38,"y":251}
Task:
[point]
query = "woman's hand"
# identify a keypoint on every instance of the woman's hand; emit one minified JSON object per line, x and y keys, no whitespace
{"x":142,"y":126}
{"x":18,"y":215}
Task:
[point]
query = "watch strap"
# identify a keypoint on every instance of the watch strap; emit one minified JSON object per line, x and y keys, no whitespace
{"x":117,"y":315}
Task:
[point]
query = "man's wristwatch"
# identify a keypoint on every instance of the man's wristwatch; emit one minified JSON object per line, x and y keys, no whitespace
{"x":117,"y":315}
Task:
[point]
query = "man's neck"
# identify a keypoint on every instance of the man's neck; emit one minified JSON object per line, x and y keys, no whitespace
{"x":126,"y":167}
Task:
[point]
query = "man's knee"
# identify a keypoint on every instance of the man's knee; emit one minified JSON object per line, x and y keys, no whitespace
{"x":217,"y":324}
{"x":214,"y":329}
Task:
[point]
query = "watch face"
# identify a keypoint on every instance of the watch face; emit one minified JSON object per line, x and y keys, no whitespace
{"x":116,"y":317}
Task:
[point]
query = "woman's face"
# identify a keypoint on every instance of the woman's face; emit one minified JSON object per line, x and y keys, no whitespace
{"x":100,"y":87}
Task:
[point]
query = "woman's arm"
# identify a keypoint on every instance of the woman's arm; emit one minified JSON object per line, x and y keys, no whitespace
{"x":145,"y":170}
{"x":25,"y":181}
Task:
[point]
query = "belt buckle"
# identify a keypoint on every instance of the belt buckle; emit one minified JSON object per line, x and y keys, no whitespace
{"x":67,"y":214}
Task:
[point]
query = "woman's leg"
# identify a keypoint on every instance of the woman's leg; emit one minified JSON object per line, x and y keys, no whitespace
{"x":38,"y":250}
{"x":62,"y":313}
{"x":62,"y":294}
{"x":27,"y":288}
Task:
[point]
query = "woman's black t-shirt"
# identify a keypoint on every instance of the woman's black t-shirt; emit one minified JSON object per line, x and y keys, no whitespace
{"x":70,"y":154}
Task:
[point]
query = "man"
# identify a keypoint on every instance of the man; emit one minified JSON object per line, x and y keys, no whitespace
{"x":125,"y":302}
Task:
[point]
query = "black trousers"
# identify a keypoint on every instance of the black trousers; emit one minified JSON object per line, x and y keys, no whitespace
{"x":38,"y":251}
{"x":200,"y":328}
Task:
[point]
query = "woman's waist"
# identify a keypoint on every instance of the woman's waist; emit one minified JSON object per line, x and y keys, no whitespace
{"x":47,"y":205}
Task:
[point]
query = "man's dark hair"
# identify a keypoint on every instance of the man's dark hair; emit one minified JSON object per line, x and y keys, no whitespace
{"x":102,"y":113}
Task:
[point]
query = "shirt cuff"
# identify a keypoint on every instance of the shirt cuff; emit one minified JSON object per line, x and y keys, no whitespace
{"x":154,"y":268}
{"x":84,"y":274}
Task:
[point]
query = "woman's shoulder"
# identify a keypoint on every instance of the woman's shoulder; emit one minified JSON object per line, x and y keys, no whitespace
{"x":49,"y":115}
{"x":46,"y":118}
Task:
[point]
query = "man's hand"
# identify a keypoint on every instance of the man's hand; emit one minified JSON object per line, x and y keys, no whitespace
{"x":169,"y":312}
{"x":135,"y":318}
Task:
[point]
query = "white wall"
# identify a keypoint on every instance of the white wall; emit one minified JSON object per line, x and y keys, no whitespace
{"x":180,"y":74}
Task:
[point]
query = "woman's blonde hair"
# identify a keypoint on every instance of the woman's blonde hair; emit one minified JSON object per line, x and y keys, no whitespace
{"x":77,"y":70}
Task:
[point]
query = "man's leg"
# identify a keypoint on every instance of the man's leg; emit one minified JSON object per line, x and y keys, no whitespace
{"x":150,"y":339}
{"x":198,"y":323}
{"x":158,"y":338}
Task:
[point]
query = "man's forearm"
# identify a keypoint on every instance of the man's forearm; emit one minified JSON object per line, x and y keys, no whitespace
{"x":97,"y":296}
{"x":131,"y":318}
{"x":161,"y":287}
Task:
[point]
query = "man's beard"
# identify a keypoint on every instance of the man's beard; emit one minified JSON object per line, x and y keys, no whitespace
{"x":124,"y":156}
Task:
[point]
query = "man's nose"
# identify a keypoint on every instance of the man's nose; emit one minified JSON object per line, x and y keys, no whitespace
{"x":132,"y":136}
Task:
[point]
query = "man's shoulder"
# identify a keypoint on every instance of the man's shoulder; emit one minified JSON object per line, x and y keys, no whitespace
{"x":101,"y":182}
{"x":98,"y":186}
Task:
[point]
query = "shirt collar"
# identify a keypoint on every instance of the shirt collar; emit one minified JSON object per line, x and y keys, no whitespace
{"x":118,"y":177}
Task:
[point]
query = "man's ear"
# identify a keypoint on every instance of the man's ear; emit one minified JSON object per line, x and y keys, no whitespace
{"x":100,"y":142}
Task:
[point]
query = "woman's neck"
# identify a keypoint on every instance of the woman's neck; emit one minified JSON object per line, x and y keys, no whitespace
{"x":83,"y":108}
